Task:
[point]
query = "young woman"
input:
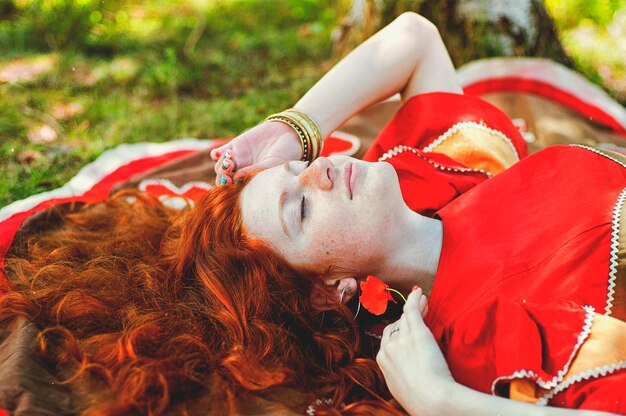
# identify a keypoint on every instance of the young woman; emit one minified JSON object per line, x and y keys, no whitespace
{"x":515,"y":252}
{"x":245,"y":291}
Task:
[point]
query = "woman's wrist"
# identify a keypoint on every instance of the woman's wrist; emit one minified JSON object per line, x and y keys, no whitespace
{"x":438,"y":400}
{"x":306,"y":129}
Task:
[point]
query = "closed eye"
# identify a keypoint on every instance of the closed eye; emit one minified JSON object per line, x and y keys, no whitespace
{"x":303,"y":208}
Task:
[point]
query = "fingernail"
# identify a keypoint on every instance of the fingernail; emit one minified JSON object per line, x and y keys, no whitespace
{"x":414,"y":288}
{"x":227,"y":155}
{"x":224,"y":180}
{"x":225,"y":164}
{"x":217,"y":154}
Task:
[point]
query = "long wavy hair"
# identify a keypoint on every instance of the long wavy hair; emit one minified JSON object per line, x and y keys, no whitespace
{"x":151,"y":307}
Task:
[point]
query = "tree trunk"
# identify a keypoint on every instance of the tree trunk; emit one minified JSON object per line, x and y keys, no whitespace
{"x":471,"y":29}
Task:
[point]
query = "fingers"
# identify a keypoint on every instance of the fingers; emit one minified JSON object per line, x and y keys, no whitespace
{"x":423,"y":306}
{"x":224,"y":168}
{"x":415,"y":309}
{"x":219,"y":151}
{"x":387,"y":333}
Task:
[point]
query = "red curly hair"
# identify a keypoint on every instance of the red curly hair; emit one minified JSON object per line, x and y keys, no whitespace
{"x":152,"y":307}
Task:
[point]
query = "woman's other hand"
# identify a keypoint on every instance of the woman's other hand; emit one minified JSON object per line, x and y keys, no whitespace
{"x":263,"y":146}
{"x":414,"y":367}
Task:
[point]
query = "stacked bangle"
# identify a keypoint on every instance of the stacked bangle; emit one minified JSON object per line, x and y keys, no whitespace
{"x":307,"y":130}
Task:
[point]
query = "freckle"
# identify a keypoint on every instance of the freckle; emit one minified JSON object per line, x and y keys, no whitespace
{"x":327,"y":253}
{"x":332,"y":241}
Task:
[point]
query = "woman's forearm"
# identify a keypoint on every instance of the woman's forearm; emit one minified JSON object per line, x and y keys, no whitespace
{"x":464,"y":401}
{"x":407,"y":56}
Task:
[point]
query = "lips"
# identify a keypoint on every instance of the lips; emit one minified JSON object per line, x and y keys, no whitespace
{"x":347,"y":178}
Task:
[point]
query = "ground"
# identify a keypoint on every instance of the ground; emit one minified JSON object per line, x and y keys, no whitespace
{"x":78,"y":77}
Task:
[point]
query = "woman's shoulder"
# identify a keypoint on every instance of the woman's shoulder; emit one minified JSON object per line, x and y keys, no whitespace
{"x":429,"y":120}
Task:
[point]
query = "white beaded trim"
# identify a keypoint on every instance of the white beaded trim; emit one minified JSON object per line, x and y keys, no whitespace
{"x":312,"y":409}
{"x":585,"y":375}
{"x":582,"y":337}
{"x":614,"y":235}
{"x":617,"y":212}
{"x":402,"y":148}
{"x":516,"y":375}
{"x":596,"y":151}
{"x":465,"y":124}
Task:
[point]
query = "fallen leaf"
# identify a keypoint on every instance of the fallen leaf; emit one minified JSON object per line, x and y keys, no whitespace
{"x":28,"y":157}
{"x":45,"y":184}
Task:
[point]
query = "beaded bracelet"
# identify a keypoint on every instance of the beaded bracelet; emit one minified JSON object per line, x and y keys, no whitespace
{"x":307,"y":130}
{"x":311,"y":127}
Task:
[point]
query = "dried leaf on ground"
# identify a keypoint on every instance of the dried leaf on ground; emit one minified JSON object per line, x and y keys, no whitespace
{"x":29,"y":157}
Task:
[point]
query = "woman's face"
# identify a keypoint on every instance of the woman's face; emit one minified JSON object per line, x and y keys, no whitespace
{"x":335,"y":212}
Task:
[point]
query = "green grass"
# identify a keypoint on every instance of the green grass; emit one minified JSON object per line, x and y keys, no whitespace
{"x":155,"y":70}
{"x":146,"y":71}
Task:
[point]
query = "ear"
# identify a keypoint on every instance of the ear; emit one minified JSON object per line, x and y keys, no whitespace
{"x":344,"y":288}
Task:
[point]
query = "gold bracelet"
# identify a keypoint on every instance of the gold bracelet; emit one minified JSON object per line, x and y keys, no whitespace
{"x":304,"y":140}
{"x":309,"y":141}
{"x":312,"y":127}
{"x":307,"y":130}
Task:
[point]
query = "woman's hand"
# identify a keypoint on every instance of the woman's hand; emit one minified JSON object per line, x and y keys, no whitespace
{"x":414,"y":368}
{"x":263,"y":146}
{"x":419,"y":379}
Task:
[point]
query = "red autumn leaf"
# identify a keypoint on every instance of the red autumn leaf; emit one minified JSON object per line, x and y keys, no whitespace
{"x":374,"y":295}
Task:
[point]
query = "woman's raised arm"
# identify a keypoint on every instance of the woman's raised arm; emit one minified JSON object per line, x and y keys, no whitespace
{"x":407,"y":56}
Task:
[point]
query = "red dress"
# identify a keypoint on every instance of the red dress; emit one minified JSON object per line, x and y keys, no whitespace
{"x":443,"y":144}
{"x":528,"y":297}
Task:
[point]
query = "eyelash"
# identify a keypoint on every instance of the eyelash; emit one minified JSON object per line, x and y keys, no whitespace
{"x":303,"y":209}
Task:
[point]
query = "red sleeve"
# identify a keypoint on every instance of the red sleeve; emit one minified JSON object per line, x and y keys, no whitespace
{"x":504,"y":340}
{"x":423,"y":118}
{"x":558,"y":354}
{"x":429,"y":181}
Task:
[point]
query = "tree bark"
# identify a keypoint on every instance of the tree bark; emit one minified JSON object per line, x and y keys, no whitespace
{"x":471,"y":29}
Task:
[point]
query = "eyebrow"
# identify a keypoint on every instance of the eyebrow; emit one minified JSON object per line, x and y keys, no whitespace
{"x":281,"y":205}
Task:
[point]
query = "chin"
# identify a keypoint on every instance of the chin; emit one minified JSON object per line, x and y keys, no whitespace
{"x":388,"y":180}
{"x":381,"y":183}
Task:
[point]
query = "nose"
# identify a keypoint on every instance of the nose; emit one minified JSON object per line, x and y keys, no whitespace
{"x":320,"y":174}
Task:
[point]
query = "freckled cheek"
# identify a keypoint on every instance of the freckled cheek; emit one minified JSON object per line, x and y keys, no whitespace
{"x":325,"y":244}
{"x":335,"y":245}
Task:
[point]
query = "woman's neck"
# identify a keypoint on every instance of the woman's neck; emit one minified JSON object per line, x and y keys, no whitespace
{"x":413,"y":254}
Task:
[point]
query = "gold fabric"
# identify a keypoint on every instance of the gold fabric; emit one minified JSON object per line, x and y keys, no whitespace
{"x":478,"y":149}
